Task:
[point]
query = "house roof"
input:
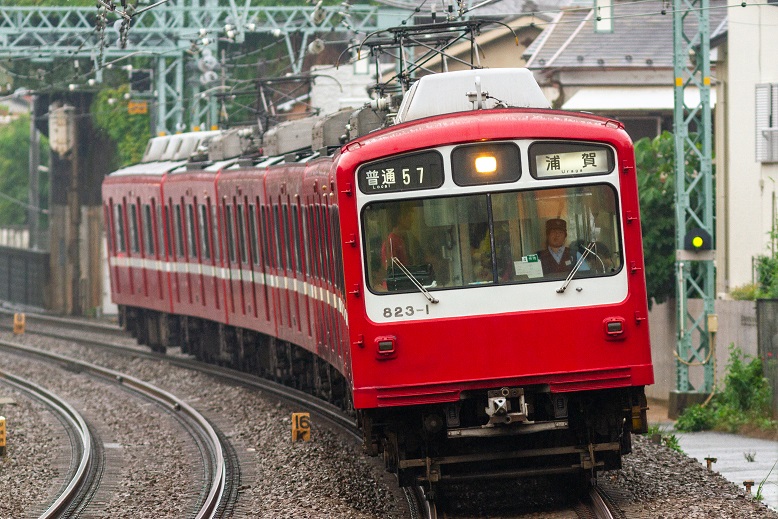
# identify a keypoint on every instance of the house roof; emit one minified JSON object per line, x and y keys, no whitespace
{"x":642,"y":37}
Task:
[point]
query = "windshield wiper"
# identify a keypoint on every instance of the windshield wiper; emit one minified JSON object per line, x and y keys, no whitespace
{"x":587,"y":250}
{"x":424,"y":291}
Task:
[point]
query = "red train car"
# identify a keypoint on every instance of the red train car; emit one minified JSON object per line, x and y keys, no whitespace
{"x":469,"y":281}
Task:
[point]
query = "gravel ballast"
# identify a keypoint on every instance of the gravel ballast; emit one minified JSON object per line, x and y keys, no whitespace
{"x":328,"y":476}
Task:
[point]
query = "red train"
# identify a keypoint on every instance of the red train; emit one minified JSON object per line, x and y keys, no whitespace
{"x":469,"y":279}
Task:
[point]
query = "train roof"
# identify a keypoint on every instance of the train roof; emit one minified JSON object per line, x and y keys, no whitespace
{"x":466,"y":90}
{"x":149,"y":168}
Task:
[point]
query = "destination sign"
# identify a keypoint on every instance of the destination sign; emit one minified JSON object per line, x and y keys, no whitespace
{"x":563,"y":159}
{"x":403,"y":173}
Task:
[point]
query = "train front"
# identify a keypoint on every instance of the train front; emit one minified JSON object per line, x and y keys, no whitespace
{"x":497,"y":300}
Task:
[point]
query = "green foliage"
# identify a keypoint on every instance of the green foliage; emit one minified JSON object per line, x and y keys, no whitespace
{"x":655,"y":167}
{"x":129,"y":132}
{"x":14,"y":172}
{"x":696,"y":418}
{"x":767,"y":276}
{"x":745,"y":401}
{"x":669,"y":439}
{"x":746,"y":292}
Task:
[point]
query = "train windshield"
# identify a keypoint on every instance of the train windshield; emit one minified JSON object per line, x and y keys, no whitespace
{"x":492,"y":238}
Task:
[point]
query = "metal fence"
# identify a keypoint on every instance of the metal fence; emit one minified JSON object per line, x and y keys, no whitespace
{"x":24,"y":276}
{"x":767,"y":333}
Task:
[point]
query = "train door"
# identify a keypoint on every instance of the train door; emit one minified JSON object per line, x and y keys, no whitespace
{"x":209,"y":253}
{"x":117,"y":241}
{"x":150,"y":252}
{"x":176,"y":250}
{"x":267,"y":257}
{"x":279,"y":300}
{"x":317,"y":281}
{"x":244,"y":263}
{"x":254,"y":255}
{"x":293,"y":266}
{"x":138,"y":285}
{"x":230,"y":259}
{"x":305,"y":236}
{"x":191,"y":253}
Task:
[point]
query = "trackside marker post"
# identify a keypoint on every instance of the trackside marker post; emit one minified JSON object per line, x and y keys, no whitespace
{"x":2,"y":436}
{"x":301,"y":426}
{"x":18,"y":324}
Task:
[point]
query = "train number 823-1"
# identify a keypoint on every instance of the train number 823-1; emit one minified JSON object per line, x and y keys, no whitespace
{"x":405,"y":311}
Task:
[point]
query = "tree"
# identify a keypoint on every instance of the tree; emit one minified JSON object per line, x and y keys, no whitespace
{"x":656,"y":174}
{"x":14,"y":171}
{"x":129,"y":132}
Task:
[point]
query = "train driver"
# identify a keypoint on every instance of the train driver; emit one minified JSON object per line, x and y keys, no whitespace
{"x":398,"y":242}
{"x":556,"y":259}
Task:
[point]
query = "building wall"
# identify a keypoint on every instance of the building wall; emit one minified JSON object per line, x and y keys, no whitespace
{"x":737,"y":325}
{"x":750,"y":187}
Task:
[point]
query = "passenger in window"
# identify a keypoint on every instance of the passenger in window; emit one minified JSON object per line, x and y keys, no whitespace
{"x":556,"y":259}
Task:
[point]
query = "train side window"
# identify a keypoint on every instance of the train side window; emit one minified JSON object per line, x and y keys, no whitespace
{"x":178,"y":230}
{"x":121,"y":245}
{"x":110,"y":235}
{"x":287,"y":239}
{"x":325,"y":243}
{"x":228,"y":223}
{"x":277,"y":235}
{"x":265,"y":213}
{"x":133,"y":221}
{"x":202,"y":221}
{"x":214,"y":211}
{"x":306,"y":239}
{"x":296,"y":239}
{"x":160,"y":228}
{"x":253,"y":236}
{"x":191,"y":232}
{"x":242,"y":234}
{"x":338,"y":251}
{"x":148,"y":231}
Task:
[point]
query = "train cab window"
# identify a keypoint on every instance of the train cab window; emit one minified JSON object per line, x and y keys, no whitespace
{"x":148,"y":231}
{"x":253,"y":236}
{"x":191,"y":233}
{"x":202,"y":222}
{"x":242,"y":234}
{"x":178,"y":231}
{"x":132,"y":218}
{"x":119,"y":225}
{"x":228,"y":225}
{"x":492,"y":238}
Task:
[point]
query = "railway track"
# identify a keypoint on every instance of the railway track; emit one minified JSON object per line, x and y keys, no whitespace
{"x":595,"y":506}
{"x":84,"y":476}
{"x":219,"y":488}
{"x":420,"y":507}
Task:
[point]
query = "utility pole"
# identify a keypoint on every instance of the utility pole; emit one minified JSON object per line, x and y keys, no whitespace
{"x":33,"y":197}
{"x":695,"y":274}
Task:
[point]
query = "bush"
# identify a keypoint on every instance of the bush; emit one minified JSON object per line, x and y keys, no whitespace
{"x":696,"y":418}
{"x":745,"y":293}
{"x":745,"y":401}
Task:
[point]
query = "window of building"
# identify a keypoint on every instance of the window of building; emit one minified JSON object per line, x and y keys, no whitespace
{"x":767,"y":122}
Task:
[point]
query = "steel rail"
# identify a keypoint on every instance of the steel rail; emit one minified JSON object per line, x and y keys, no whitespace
{"x":600,"y":503}
{"x":331,"y":413}
{"x":77,"y":423}
{"x":218,"y":480}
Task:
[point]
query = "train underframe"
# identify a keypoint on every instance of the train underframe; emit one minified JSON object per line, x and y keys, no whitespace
{"x":502,"y":432}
